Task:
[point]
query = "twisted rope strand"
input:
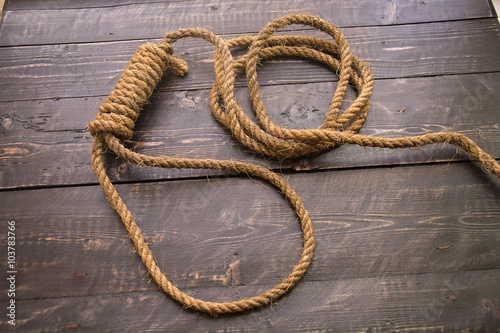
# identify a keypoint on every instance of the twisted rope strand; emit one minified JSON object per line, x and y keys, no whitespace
{"x":117,"y":115}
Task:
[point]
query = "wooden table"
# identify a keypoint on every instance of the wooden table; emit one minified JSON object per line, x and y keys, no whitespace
{"x":407,"y":240}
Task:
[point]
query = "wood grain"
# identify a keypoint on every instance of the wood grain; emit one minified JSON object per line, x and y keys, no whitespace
{"x":418,"y":303}
{"x":83,"y":70}
{"x":76,"y":4}
{"x":407,"y":240}
{"x":152,"y":20}
{"x":377,"y":255}
{"x":198,"y":228}
{"x":51,"y":133}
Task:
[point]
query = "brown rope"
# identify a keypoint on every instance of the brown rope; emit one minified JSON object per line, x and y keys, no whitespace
{"x":117,"y":115}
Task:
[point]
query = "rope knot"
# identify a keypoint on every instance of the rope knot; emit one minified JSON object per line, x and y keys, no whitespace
{"x":119,"y":125}
{"x":120,"y":110}
{"x":178,"y":65}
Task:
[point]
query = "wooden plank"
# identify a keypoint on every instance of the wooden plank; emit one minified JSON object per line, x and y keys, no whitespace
{"x":83,"y":70}
{"x":376,"y":261}
{"x":12,"y":5}
{"x":418,"y":303}
{"x":400,"y":249}
{"x":368,"y":223}
{"x":51,"y":133}
{"x":154,"y":19}
{"x":400,"y":7}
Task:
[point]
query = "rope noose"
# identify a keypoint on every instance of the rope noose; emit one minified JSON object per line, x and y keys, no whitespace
{"x":117,"y":115}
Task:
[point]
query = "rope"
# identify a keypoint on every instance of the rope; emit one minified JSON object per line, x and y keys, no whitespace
{"x":117,"y":115}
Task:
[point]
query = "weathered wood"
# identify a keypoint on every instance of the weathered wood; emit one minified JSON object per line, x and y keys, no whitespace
{"x":83,"y":70}
{"x":76,"y":4}
{"x":51,"y":133}
{"x":368,"y":223}
{"x":416,"y":303}
{"x":402,"y":247}
{"x":138,"y":21}
{"x":377,"y":255}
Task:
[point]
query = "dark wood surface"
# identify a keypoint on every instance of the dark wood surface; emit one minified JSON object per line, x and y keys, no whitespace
{"x":407,"y":239}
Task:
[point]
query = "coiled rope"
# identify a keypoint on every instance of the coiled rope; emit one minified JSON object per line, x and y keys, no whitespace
{"x":117,"y":115}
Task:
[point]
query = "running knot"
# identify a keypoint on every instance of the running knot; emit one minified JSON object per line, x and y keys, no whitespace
{"x":120,"y":110}
{"x":117,"y":116}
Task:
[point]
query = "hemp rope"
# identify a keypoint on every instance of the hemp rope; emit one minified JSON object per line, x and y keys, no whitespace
{"x":117,"y":115}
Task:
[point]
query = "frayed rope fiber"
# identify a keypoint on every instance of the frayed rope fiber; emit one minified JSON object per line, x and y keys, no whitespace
{"x":117,"y":115}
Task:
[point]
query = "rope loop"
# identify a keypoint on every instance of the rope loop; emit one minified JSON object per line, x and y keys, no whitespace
{"x":117,"y":115}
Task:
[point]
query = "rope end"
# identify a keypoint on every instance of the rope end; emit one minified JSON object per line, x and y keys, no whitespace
{"x":179,"y":66}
